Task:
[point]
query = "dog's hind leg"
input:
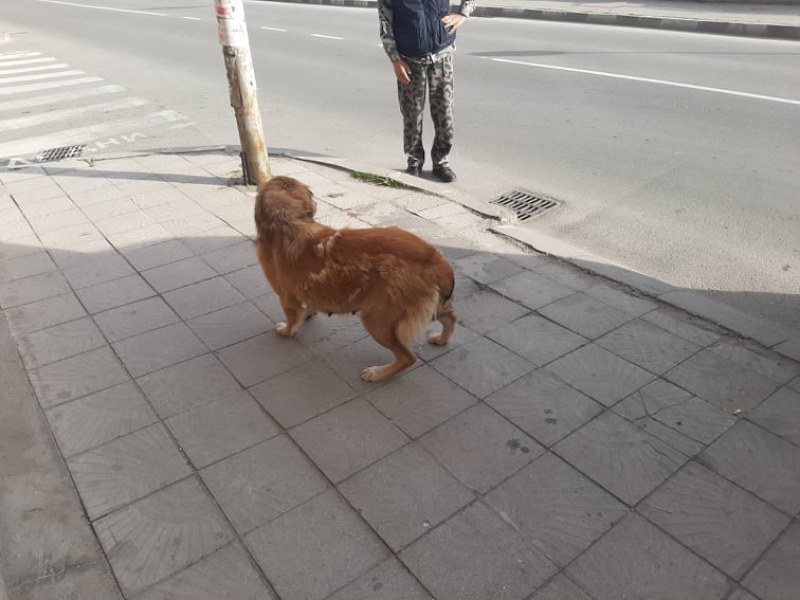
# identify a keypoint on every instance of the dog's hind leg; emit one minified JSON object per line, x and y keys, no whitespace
{"x":448,"y":318}
{"x":383,"y":330}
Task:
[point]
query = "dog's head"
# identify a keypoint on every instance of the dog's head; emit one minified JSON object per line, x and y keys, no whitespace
{"x":282,"y":201}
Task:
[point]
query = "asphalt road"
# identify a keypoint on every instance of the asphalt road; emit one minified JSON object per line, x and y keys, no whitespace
{"x":674,"y":153}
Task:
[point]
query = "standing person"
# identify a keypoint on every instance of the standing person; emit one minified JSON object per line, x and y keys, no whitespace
{"x":419,"y":38}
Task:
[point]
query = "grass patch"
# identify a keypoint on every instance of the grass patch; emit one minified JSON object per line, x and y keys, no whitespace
{"x":374,"y":179}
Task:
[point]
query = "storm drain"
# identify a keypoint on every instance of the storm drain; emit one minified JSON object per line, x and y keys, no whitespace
{"x":60,"y":153}
{"x":525,"y":205}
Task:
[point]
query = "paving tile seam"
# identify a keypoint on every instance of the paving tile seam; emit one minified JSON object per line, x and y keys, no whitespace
{"x":30,"y":582}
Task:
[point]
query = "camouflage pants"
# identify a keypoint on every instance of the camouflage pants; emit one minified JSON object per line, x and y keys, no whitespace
{"x":437,"y":76}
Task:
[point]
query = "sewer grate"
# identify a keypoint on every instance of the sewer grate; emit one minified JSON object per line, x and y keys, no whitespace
{"x":54,"y":154}
{"x":525,"y":205}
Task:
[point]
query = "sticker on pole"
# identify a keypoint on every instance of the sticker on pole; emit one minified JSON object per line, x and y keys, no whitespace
{"x":231,"y":24}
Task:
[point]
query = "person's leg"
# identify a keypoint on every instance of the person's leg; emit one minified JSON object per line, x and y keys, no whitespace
{"x":412,"y":107}
{"x":441,"y":94}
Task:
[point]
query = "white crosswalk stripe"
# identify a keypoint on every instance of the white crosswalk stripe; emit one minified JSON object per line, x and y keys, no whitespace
{"x":46,"y":103}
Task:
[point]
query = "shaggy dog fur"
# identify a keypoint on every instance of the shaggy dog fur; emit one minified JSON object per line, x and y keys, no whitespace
{"x":396,"y":281}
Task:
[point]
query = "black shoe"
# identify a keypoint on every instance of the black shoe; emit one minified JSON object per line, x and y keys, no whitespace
{"x":414,"y":169}
{"x":444,"y":173}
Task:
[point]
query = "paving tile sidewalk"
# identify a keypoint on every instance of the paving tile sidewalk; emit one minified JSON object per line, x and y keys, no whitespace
{"x":577,"y":440}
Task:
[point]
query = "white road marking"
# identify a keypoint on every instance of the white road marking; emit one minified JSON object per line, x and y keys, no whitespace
{"x":66,"y":113}
{"x":83,"y":135}
{"x":32,"y":69}
{"x":122,"y":10}
{"x":650,"y":80}
{"x":273,"y":29}
{"x":35,"y":87}
{"x":61,"y":97}
{"x":327,"y":37}
{"x":27,"y":61}
{"x":22,"y":78}
{"x":191,"y":18}
{"x":16,"y":55}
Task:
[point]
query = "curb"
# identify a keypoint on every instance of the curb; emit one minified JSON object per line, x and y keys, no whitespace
{"x":688,"y":24}
{"x":690,"y":301}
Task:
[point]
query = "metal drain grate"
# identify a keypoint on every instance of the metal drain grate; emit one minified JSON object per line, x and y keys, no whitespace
{"x":525,"y":205}
{"x":58,"y":153}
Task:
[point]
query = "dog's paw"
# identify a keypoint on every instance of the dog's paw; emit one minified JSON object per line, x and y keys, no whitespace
{"x":375,"y":373}
{"x":283,"y":330}
{"x":437,"y":339}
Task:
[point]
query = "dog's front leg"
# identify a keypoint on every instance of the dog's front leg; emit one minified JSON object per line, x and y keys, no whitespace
{"x":296,"y":314}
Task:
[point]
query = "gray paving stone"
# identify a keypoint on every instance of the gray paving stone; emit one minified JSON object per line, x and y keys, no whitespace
{"x":96,"y":419}
{"x":544,"y":406}
{"x":482,"y":367}
{"x":348,"y":361}
{"x":568,"y":275}
{"x":302,"y":393}
{"x":585,"y":315}
{"x":622,"y":458}
{"x":347,"y":439}
{"x":220,"y":236}
{"x":194,"y":226}
{"x":115,"y":293}
{"x":721,"y":382}
{"x":158,"y":255}
{"x":536,"y":339}
{"x":428,"y":352}
{"x":636,"y":560}
{"x":741,"y":594}
{"x":617,"y":297}
{"x":97,"y":271}
{"x":263,"y":482}
{"x":262,"y":357}
{"x":270,"y":305}
{"x":230,"y":325}
{"x":419,"y":400}
{"x":135,"y":318}
{"x":486,"y":268}
{"x":43,"y":314}
{"x":32,"y":289}
{"x":315,"y":549}
{"x":25,"y":266}
{"x":600,"y":374}
{"x":161,"y":534}
{"x":776,"y":577}
{"x":109,"y":208}
{"x":178,"y":208}
{"x":221,"y":427}
{"x":485,"y":311}
{"x":223,"y":575}
{"x":59,"y":342}
{"x":405,"y":494}
{"x":126,"y":469}
{"x":696,"y":418}
{"x":648,"y":346}
{"x":203,"y":297}
{"x":556,"y":508}
{"x":759,"y":462}
{"x":682,"y":325}
{"x":651,"y":399}
{"x":477,"y":556}
{"x":178,"y":274}
{"x":795,"y":384}
{"x":188,"y":385}
{"x":481,"y":448}
{"x":531,"y":289}
{"x":388,"y":581}
{"x":250,"y":282}
{"x":721,"y":522}
{"x":232,"y":258}
{"x":765,"y":363}
{"x":560,"y":588}
{"x":76,"y":376}
{"x":780,"y":413}
{"x":157,"y":349}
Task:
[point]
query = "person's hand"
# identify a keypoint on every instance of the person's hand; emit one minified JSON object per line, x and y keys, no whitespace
{"x":402,"y":71}
{"x":453,"y":22}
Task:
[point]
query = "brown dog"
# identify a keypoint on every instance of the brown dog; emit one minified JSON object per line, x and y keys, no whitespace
{"x":397,"y":281}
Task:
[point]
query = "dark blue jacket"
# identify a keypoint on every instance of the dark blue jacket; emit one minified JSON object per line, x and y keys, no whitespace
{"x":418,"y":28}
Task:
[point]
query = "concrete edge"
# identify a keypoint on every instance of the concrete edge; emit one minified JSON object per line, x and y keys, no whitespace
{"x":686,"y":24}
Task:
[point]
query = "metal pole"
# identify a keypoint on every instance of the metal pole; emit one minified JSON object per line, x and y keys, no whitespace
{"x":242,"y":84}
